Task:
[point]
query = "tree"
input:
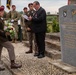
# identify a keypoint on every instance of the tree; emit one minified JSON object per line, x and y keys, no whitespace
{"x":48,"y":13}
{"x":21,"y":12}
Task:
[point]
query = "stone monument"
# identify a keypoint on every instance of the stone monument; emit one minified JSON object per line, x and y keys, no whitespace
{"x":67,"y":21}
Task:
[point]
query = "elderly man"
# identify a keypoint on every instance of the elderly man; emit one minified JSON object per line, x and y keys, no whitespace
{"x":39,"y":27}
{"x":5,"y":43}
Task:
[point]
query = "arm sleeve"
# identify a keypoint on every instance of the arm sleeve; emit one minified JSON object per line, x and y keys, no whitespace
{"x":2,"y":33}
{"x":18,"y":17}
{"x":9,"y":14}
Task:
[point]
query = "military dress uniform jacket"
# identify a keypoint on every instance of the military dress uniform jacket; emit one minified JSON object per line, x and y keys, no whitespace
{"x":3,"y":37}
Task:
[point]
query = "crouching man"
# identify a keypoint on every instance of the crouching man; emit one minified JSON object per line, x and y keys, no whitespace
{"x":5,"y":43}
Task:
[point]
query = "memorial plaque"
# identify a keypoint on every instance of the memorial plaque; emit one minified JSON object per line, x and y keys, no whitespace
{"x":67,"y":21}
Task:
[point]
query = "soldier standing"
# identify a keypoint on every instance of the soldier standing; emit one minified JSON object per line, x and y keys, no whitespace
{"x":14,"y":17}
{"x":5,"y":13}
{"x":24,"y":24}
{"x":31,"y":12}
{"x":5,"y":18}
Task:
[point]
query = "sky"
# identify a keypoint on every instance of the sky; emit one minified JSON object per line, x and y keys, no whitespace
{"x":51,"y":6}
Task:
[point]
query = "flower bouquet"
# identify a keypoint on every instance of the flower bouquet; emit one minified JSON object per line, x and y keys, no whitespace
{"x":9,"y":28}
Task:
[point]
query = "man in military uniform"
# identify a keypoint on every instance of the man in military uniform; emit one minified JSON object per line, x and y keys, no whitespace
{"x":5,"y":43}
{"x":14,"y":17}
{"x":30,"y":33}
{"x":5,"y":13}
{"x":24,"y":24}
{"x":5,"y":18}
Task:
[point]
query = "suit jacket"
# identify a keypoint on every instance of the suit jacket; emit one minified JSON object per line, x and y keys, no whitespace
{"x":39,"y":21}
{"x":2,"y":32}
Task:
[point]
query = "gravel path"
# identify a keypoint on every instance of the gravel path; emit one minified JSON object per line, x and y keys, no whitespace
{"x":30,"y":65}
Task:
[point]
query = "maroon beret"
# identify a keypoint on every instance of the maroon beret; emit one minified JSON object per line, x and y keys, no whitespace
{"x":1,"y":8}
{"x":13,"y":6}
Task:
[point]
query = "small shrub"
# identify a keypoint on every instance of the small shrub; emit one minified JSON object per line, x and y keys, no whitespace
{"x":55,"y":25}
{"x":49,"y":28}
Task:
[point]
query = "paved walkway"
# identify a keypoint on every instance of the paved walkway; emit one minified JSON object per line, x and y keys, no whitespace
{"x":30,"y":65}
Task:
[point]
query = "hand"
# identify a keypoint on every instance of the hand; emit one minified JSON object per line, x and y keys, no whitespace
{"x":7,"y":33}
{"x":1,"y":31}
{"x":28,"y":29}
{"x":30,"y":18}
{"x":21,"y":27}
{"x":12,"y":20}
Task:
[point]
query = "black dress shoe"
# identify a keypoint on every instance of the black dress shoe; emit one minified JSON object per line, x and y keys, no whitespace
{"x":41,"y":56}
{"x":28,"y":52}
{"x":15,"y":66}
{"x":2,"y":68}
{"x":36,"y":54}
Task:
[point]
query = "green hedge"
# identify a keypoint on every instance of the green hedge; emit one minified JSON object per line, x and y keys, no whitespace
{"x":49,"y":28}
{"x":53,"y":26}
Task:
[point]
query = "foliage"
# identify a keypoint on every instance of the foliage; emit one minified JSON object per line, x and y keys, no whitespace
{"x":55,"y":25}
{"x":49,"y":28}
{"x":52,"y":23}
{"x":48,"y":13}
{"x":21,"y":12}
{"x":50,"y":18}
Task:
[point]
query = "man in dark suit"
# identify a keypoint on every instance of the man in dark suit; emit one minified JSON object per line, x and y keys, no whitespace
{"x":5,"y":43}
{"x":39,"y":27}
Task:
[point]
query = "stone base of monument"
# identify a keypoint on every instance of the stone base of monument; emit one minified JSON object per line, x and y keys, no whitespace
{"x":54,"y":36}
{"x":53,"y":45}
{"x":60,"y":68}
{"x":54,"y":54}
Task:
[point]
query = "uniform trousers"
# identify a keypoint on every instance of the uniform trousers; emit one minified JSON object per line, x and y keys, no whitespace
{"x":32,"y":38}
{"x":15,"y":24}
{"x":10,"y":49}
